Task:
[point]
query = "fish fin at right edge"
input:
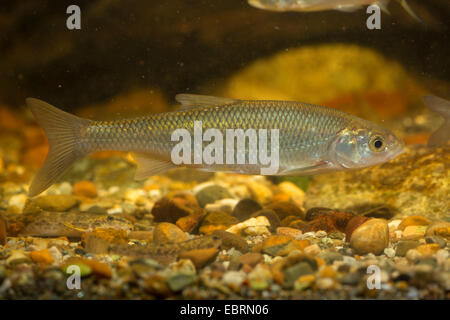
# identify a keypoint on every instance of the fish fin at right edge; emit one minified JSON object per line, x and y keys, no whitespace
{"x":148,"y":166}
{"x":441,"y":106}
{"x":409,"y":10}
{"x":63,"y":132}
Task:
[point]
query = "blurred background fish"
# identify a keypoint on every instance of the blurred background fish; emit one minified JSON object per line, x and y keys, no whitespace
{"x":442,"y":135}
{"x":322,"y":5}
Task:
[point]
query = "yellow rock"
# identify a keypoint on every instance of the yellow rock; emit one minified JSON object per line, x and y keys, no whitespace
{"x":414,"y":232}
{"x":370,"y":237}
{"x":85,"y":189}
{"x":428,"y":249}
{"x":167,"y":232}
{"x":317,"y":74}
{"x":294,"y":193}
{"x":439,"y":228}
{"x":42,"y":256}
{"x":413,"y":221}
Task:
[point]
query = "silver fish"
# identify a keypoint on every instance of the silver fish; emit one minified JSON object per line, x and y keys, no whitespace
{"x":323,"y":5}
{"x":442,"y":135}
{"x":312,"y":139}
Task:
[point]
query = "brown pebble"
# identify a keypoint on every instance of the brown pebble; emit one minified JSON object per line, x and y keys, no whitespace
{"x":200,"y":257}
{"x":167,"y":233}
{"x":413,"y":221}
{"x":99,"y":240}
{"x":231,"y":240}
{"x":370,"y":237}
{"x":84,"y":189}
{"x":251,"y":259}
{"x":354,"y":223}
{"x":284,"y":209}
{"x":273,"y":218}
{"x":439,"y":228}
{"x":169,"y":210}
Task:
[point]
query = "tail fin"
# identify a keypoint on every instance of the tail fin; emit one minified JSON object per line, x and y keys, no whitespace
{"x":409,"y":10}
{"x":63,"y":132}
{"x":441,"y":106}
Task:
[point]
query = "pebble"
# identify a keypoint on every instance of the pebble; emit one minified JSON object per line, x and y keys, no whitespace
{"x":234,"y":279}
{"x":441,"y":256}
{"x":256,"y":231}
{"x":17,"y":257}
{"x":56,"y":202}
{"x":259,"y":191}
{"x":271,"y":216}
{"x":260,"y":221}
{"x":178,"y":281}
{"x":295,"y":194}
{"x":230,"y":240}
{"x":43,"y":256}
{"x":428,"y":250}
{"x":168,"y":210}
{"x":251,"y":259}
{"x":325,"y":283}
{"x":439,"y":228}
{"x":313,"y":249}
{"x":436,"y":239}
{"x":85,"y":189}
{"x":414,"y":232}
{"x":284,"y":209}
{"x":413,"y":255}
{"x":99,"y":240}
{"x":370,"y":237}
{"x":330,"y":256}
{"x":168,"y":233}
{"x":304,"y":282}
{"x":279,"y":245}
{"x":352,"y":224}
{"x":16,"y":203}
{"x":291,"y":232}
{"x":223,"y":205}
{"x":188,"y":223}
{"x":211,"y":194}
{"x":220,"y":219}
{"x":200,"y":257}
{"x":413,"y":221}
{"x":389,"y":252}
{"x":245,"y":208}
{"x":405,"y":245}
{"x":291,"y":274}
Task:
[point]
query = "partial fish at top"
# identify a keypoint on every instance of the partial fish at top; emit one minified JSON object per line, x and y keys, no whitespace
{"x":442,"y":135}
{"x":322,"y":5}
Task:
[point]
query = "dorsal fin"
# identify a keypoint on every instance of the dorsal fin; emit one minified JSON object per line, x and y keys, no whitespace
{"x":190,"y":101}
{"x":148,"y":166}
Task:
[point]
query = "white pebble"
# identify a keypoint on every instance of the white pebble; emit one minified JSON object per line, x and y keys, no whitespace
{"x":390,"y":252}
{"x":18,"y":201}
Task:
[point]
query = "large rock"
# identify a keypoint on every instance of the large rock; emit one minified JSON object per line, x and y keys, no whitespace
{"x":415,"y":183}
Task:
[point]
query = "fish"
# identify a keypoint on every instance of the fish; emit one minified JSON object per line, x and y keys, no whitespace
{"x":441,"y":106}
{"x":323,"y":5}
{"x":312,"y":139}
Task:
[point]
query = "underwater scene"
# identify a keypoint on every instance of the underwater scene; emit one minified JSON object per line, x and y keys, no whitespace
{"x":225,"y":150}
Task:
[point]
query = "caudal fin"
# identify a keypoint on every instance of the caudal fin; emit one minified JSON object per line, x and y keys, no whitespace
{"x":441,"y":106}
{"x":63,"y":132}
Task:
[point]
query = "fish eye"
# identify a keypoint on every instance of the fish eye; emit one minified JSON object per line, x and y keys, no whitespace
{"x":376,"y":143}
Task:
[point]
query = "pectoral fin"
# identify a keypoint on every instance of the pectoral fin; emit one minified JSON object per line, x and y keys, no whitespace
{"x":305,"y":171}
{"x":441,"y":106}
{"x":148,"y":166}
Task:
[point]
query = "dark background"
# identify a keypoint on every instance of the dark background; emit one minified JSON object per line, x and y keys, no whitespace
{"x":180,"y":45}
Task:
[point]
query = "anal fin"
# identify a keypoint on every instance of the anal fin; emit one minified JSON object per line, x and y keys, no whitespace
{"x":147,"y":166}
